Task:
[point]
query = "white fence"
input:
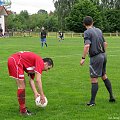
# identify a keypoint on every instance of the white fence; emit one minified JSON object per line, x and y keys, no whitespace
{"x":55,"y":34}
{"x":72,"y":35}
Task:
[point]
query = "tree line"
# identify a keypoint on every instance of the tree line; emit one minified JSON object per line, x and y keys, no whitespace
{"x":68,"y":16}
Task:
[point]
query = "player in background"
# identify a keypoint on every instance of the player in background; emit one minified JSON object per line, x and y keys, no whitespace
{"x":33,"y":65}
{"x":1,"y":31}
{"x":61,"y":36}
{"x":43,"y":35}
{"x":95,"y":45}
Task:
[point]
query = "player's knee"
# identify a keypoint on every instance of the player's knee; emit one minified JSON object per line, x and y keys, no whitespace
{"x":104,"y":77}
{"x":94,"y":80}
{"x":21,"y":84}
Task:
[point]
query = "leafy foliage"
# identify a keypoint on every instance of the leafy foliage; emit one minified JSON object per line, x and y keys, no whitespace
{"x":79,"y":11}
{"x":112,"y":23}
{"x":63,"y":8}
{"x":68,"y":16}
{"x":41,"y":11}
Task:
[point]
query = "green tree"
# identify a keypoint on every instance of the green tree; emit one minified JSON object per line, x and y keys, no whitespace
{"x":24,"y":18}
{"x":24,"y":21}
{"x":79,"y":11}
{"x":41,"y":11}
{"x":9,"y":22}
{"x":63,"y":8}
{"x":24,"y":13}
{"x":51,"y":24}
{"x":18,"y":21}
{"x":109,"y":4}
{"x":112,"y":20}
{"x":37,"y":21}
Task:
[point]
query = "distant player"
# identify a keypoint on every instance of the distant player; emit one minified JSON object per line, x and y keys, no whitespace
{"x":95,"y":45}
{"x":1,"y":32}
{"x":33,"y":65}
{"x":43,"y":35}
{"x":61,"y":36}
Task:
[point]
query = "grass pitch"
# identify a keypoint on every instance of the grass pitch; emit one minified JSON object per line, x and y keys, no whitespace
{"x":67,"y":85}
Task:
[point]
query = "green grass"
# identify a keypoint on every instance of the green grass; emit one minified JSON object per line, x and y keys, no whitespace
{"x":67,"y":85}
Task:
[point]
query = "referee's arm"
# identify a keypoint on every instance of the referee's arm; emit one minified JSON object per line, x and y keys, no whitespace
{"x":86,"y":49}
{"x":85,"y":52}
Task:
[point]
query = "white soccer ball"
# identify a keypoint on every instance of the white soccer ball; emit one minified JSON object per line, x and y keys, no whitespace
{"x":39,"y":104}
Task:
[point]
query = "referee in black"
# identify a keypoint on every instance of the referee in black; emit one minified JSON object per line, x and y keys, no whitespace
{"x":94,"y":44}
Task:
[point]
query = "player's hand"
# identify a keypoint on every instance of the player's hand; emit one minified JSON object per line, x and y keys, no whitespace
{"x":82,"y":62}
{"x":42,"y":99}
{"x":37,"y":95}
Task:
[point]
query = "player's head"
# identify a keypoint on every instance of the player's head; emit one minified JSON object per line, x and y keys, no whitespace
{"x":42,"y":28}
{"x":88,"y":21}
{"x":48,"y":63}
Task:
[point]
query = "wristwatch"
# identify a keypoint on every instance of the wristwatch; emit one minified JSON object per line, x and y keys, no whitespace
{"x":83,"y":57}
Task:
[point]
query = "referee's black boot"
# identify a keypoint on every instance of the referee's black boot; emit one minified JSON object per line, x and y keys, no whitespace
{"x":112,"y":100}
{"x":90,"y":104}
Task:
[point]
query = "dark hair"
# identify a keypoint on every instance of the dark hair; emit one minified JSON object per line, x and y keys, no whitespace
{"x":88,"y":20}
{"x":49,"y":61}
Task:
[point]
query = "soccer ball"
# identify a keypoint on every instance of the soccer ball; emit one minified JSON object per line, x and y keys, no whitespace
{"x":38,"y":102}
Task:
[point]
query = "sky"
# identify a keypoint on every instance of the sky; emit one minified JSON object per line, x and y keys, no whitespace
{"x":32,"y":6}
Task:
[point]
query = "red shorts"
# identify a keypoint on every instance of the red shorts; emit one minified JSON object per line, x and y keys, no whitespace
{"x":15,"y":67}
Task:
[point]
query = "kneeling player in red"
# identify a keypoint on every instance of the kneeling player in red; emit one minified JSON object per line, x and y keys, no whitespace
{"x":33,"y":65}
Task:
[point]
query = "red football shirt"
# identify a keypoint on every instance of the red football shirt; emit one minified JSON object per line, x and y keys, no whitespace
{"x":24,"y":61}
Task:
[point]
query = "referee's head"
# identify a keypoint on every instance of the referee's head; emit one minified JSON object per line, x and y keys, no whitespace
{"x":88,"y":21}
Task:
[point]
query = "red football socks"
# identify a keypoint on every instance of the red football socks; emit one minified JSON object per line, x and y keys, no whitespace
{"x":21,"y":99}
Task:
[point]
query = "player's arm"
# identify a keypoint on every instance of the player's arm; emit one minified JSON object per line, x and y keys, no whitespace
{"x":39,"y":85}
{"x":46,"y":34}
{"x":32,"y":84}
{"x":33,"y":87}
{"x":85,"y":52}
{"x":104,"y":43}
{"x":39,"y":34}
